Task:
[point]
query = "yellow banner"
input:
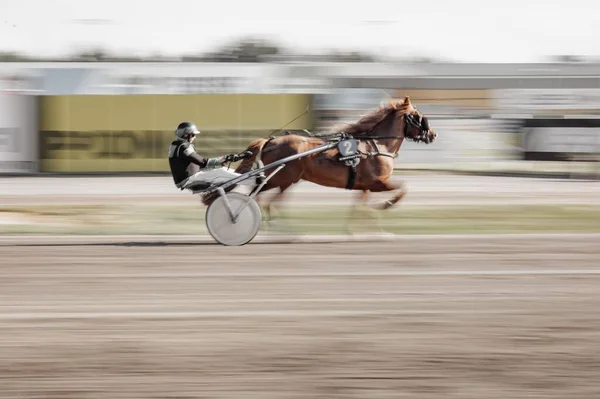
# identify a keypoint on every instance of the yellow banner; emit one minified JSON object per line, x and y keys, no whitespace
{"x":132,"y":133}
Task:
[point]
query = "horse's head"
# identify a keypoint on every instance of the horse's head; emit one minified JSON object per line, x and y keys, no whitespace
{"x":415,"y":125}
{"x":399,"y":119}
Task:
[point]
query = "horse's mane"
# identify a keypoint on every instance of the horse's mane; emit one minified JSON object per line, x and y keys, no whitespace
{"x":370,"y":119}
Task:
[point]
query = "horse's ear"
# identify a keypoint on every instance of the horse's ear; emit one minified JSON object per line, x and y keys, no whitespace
{"x":406,"y":100}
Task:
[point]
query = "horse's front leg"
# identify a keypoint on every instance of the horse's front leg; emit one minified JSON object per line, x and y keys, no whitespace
{"x":362,"y":213}
{"x":355,"y":210}
{"x":399,"y":188}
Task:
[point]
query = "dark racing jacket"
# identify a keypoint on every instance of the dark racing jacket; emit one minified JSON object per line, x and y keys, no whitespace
{"x":181,"y":155}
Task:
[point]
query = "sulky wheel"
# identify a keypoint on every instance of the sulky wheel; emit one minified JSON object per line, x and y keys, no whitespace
{"x":228,"y":232}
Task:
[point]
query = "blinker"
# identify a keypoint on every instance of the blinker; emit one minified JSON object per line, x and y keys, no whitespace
{"x":425,"y":124}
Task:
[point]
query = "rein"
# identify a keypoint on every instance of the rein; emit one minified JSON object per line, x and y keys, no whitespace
{"x":423,"y":127}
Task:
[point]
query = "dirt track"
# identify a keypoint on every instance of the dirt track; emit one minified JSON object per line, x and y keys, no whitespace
{"x":436,"y":318}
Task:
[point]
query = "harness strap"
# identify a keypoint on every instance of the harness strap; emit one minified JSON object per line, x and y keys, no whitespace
{"x":351,"y":177}
{"x":372,"y":154}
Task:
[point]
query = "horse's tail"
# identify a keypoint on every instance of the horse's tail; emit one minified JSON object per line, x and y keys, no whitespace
{"x":255,"y":147}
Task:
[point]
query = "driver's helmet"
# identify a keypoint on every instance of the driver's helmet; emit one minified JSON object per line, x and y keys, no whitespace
{"x":186,"y":129}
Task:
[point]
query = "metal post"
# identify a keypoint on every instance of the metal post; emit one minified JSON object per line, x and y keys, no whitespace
{"x":227,"y":204}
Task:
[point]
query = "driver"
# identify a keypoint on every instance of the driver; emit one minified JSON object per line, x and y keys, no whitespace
{"x":182,"y":154}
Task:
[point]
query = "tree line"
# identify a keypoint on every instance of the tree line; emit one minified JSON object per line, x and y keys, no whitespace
{"x":248,"y":50}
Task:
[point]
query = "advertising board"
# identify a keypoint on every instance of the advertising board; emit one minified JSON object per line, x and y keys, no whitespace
{"x":98,"y":133}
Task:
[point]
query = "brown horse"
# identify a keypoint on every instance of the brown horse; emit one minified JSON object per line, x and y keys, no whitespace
{"x":379,"y":135}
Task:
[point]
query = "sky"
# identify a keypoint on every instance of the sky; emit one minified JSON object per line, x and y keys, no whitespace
{"x":455,"y":30}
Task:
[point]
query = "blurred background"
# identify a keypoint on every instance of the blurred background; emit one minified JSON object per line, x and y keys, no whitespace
{"x":100,"y":86}
{"x":110,"y":286}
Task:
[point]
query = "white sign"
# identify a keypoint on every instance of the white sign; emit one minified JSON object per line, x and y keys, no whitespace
{"x":547,"y":99}
{"x":18,"y":134}
{"x":582,"y":140}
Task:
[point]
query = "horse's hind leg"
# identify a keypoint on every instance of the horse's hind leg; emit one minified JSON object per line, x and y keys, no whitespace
{"x":361,"y":212}
{"x":268,"y":209}
{"x":371,"y":211}
{"x":269,"y":206}
{"x":265,"y":206}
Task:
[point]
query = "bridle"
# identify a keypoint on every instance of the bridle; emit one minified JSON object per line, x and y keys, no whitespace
{"x":416,"y":121}
{"x":419,"y":122}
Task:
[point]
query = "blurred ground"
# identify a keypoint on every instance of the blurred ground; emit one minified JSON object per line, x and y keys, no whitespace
{"x":436,"y":203}
{"x":479,"y":317}
{"x":458,"y":316}
{"x":435,"y":188}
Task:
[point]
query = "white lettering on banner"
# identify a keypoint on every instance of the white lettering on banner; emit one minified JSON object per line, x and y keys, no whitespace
{"x":547,"y":99}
